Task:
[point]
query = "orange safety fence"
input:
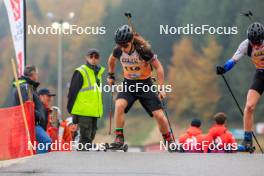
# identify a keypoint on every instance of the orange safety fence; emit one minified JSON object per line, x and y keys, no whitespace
{"x":13,"y":136}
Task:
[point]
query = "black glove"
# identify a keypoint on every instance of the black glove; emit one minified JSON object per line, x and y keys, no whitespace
{"x":220,"y":70}
{"x":111,"y":76}
{"x":75,"y":119}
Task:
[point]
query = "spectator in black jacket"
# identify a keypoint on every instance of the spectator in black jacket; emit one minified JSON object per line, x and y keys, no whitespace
{"x":28,"y":86}
{"x":46,"y":97}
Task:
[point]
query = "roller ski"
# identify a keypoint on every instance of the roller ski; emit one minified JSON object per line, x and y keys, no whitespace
{"x":115,"y":147}
{"x":173,"y":147}
{"x":118,"y":144}
{"x":246,"y":146}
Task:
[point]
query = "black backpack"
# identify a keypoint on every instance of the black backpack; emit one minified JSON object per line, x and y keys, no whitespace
{"x":145,"y":53}
{"x":249,"y":50}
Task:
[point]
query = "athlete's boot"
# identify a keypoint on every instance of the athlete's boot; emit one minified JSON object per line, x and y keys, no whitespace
{"x":170,"y":143}
{"x":119,"y":140}
{"x":247,"y":142}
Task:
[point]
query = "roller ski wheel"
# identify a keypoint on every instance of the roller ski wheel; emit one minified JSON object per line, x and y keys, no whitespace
{"x":249,"y":149}
{"x":252,"y":149}
{"x":123,"y":147}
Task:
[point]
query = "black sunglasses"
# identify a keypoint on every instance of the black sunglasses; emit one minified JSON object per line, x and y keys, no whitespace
{"x":257,"y":42}
{"x":96,"y":56}
{"x":125,"y":45}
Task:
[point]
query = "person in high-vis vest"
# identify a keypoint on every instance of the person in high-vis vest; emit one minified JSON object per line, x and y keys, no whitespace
{"x":85,"y":97}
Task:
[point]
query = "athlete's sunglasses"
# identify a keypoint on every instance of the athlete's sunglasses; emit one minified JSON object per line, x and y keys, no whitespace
{"x":257,"y":43}
{"x":124,"y":45}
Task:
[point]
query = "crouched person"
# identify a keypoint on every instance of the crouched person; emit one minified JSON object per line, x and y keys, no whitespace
{"x":193,"y":141}
{"x":222,"y":139}
{"x":28,"y":85}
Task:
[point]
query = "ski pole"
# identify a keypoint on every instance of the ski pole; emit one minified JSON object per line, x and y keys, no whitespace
{"x":110,"y":114}
{"x":129,"y":16}
{"x":240,"y":110}
{"x":248,"y":14}
{"x":166,"y":114}
{"x":251,"y":16}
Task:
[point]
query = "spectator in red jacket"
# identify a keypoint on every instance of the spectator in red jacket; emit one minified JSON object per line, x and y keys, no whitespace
{"x":67,"y":133}
{"x":193,"y":140}
{"x":67,"y":130}
{"x":222,"y":139}
{"x":54,"y":123}
{"x":61,"y":131}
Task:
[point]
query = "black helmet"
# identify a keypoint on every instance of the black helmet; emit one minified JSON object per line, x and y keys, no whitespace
{"x":123,"y":34}
{"x":255,"y":33}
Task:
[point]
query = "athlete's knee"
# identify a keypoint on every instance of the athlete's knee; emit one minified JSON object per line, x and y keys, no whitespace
{"x":158,"y":114}
{"x":250,"y":107}
{"x":120,"y":106}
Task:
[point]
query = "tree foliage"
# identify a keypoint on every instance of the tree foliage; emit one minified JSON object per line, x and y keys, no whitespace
{"x":189,"y":60}
{"x":192,"y":77}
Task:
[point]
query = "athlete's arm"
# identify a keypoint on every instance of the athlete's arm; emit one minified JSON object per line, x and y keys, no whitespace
{"x":116,"y":54}
{"x":160,"y":71}
{"x":230,"y":63}
{"x":111,"y":64}
{"x":111,"y":70}
{"x":241,"y":51}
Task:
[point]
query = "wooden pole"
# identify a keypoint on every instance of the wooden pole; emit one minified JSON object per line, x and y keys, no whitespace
{"x":21,"y":104}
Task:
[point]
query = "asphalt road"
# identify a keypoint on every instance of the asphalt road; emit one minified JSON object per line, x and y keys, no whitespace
{"x":119,"y":163}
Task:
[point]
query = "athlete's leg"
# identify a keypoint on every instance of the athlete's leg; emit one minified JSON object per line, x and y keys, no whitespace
{"x":252,"y":99}
{"x":165,"y":130}
{"x":152,"y":105}
{"x":120,"y":107}
{"x":123,"y":103}
{"x":161,"y":120}
{"x":119,"y":115}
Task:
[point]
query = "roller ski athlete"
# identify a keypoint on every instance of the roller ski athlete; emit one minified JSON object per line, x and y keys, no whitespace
{"x":253,"y":47}
{"x":137,"y":61}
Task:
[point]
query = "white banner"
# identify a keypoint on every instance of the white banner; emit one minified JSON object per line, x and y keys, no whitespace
{"x":15,"y":13}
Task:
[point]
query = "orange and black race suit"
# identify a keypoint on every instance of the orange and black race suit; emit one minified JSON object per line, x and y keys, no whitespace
{"x":257,"y":57}
{"x":137,"y":70}
{"x":135,"y":67}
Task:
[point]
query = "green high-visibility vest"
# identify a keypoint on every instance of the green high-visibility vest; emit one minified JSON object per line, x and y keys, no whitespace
{"x":21,"y":81}
{"x":89,"y":99}
{"x":29,"y":88}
